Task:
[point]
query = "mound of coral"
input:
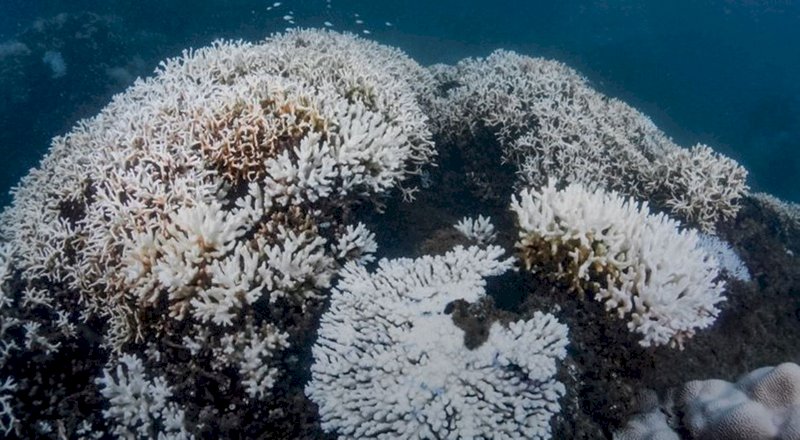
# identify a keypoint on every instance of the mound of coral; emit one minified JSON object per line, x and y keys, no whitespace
{"x":202,"y":213}
{"x":199,"y":259}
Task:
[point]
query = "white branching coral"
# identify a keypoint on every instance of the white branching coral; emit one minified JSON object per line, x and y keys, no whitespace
{"x":728,"y":260}
{"x":357,"y":243}
{"x":208,"y":194}
{"x":139,"y":405}
{"x":378,"y":373}
{"x":642,"y":266}
{"x":182,"y":180}
{"x":699,"y":185}
{"x":480,"y":230}
{"x":552,"y":125}
{"x":7,"y":419}
{"x":252,"y":351}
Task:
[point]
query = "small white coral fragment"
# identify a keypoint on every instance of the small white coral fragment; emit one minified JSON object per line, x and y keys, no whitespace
{"x":7,"y":419}
{"x":480,"y":230}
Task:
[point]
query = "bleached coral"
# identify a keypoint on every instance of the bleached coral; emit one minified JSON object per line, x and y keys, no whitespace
{"x":140,"y":405}
{"x":480,"y":230}
{"x":647,"y":426}
{"x":551,"y":124}
{"x":164,"y":164}
{"x":378,"y":373}
{"x":642,"y":266}
{"x":356,"y":244}
{"x":727,"y":259}
{"x":7,"y":418}
{"x":699,"y":185}
{"x":206,"y":200}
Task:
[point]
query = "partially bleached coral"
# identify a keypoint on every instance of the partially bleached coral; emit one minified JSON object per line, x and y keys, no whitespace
{"x":378,"y":371}
{"x":642,"y":266}
{"x":158,"y":170}
{"x":551,"y":124}
{"x":480,"y":230}
{"x":140,"y":405}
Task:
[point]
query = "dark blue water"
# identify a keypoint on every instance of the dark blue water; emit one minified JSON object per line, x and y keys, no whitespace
{"x":719,"y":72}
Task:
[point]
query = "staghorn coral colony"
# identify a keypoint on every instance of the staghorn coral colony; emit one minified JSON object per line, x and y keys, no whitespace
{"x":198,"y":260}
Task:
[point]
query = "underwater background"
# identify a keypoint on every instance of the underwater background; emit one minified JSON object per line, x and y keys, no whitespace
{"x":722,"y":72}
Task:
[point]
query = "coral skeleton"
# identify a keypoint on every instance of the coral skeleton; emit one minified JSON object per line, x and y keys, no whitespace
{"x":379,"y":373}
{"x":7,"y":419}
{"x":642,"y":266}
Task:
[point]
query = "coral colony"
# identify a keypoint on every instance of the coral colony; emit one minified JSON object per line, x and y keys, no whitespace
{"x":194,"y":239}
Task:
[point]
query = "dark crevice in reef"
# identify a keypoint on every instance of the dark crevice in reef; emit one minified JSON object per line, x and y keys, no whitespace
{"x":450,"y":193}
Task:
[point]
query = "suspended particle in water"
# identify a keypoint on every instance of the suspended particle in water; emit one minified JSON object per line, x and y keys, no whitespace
{"x":389,"y":24}
{"x":366,"y":32}
{"x":359,"y":21}
{"x":328,"y":24}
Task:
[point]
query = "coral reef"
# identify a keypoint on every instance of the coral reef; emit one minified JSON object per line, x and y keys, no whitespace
{"x":167,"y":270}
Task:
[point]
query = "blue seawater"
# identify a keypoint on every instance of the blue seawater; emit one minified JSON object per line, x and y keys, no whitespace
{"x":722,"y":72}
